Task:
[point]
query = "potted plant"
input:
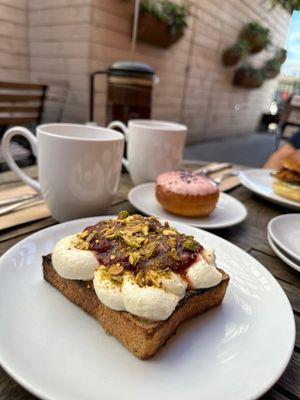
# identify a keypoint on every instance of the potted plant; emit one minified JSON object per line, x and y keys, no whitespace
{"x":272,"y":67}
{"x":162,"y":22}
{"x":256,"y":35}
{"x":233,"y":54}
{"x":289,"y":5}
{"x":248,"y":77}
{"x":281,"y":55}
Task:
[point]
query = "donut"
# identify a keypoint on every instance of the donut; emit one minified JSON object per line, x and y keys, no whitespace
{"x":186,"y":194}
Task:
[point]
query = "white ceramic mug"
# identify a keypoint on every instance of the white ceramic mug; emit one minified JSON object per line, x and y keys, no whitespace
{"x":153,"y":147}
{"x":79,"y":167}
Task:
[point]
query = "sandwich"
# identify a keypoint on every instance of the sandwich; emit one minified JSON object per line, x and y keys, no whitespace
{"x":286,"y":182}
{"x":138,"y":277}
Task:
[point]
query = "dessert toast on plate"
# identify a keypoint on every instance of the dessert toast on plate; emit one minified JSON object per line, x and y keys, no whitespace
{"x":141,"y":337}
{"x":139,"y":278}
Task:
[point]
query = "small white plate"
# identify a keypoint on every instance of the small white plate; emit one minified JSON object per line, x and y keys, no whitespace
{"x":283,"y":256}
{"x":229,"y":211}
{"x":259,"y":181}
{"x":50,"y":346}
{"x":285,"y":232}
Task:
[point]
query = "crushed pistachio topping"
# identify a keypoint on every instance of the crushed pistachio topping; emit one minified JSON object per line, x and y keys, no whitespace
{"x":134,"y":257}
{"x":141,"y":246}
{"x":123,"y":214}
{"x":108,"y":274}
{"x":80,"y":243}
{"x":169,"y":232}
{"x":152,"y":278}
{"x":83,"y":234}
{"x":115,"y":269}
{"x":189,"y":243}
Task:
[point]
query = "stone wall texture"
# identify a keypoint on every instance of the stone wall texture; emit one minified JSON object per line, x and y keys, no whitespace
{"x":14,"y":52}
{"x":66,"y":40}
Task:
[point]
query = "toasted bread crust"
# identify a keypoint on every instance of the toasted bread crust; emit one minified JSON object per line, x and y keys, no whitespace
{"x":141,"y":337}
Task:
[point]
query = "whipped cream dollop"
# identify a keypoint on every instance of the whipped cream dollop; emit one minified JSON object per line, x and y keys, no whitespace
{"x":203,"y":274}
{"x":73,"y":263}
{"x":150,"y":302}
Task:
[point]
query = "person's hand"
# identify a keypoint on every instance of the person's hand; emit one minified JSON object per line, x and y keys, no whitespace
{"x":276,"y":159}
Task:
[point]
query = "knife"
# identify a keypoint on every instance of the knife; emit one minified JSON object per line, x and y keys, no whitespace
{"x":212,"y":169}
{"x":15,"y":206}
{"x":16,"y":199}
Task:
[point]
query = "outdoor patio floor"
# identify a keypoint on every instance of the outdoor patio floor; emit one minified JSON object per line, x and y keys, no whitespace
{"x":252,"y":149}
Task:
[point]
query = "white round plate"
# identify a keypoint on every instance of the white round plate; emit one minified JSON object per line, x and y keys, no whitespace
{"x":259,"y":181}
{"x":282,"y":255}
{"x":285,"y":232}
{"x":58,"y":352}
{"x":228,"y":211}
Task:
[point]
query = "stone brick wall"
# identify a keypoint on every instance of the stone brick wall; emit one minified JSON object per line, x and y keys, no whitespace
{"x":14,"y":61}
{"x":69,"y":39}
{"x":194,"y":87}
{"x":213,"y":106}
{"x":59,"y":40}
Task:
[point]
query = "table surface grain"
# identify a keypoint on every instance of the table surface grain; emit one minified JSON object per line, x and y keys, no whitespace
{"x":250,"y":235}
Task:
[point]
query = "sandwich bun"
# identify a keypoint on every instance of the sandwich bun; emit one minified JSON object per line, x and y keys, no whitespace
{"x":292,"y":162}
{"x":287,"y":190}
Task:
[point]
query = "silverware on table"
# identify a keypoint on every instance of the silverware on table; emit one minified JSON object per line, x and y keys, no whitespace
{"x":210,"y":170}
{"x":225,"y":176}
{"x":15,"y":206}
{"x":17,"y":199}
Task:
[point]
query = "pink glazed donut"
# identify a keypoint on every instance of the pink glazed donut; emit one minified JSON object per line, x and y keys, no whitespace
{"x":187,"y":194}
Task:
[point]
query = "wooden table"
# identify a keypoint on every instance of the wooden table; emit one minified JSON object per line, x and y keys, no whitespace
{"x":249,"y":235}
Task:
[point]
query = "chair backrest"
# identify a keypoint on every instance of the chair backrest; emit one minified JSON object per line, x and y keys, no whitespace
{"x":54,"y":106}
{"x":21,"y":103}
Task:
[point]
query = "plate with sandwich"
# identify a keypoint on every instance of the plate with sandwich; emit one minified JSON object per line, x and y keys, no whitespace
{"x":89,"y":309}
{"x":280,"y":187}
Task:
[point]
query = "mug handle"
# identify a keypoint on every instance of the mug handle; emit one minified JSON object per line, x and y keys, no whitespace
{"x":9,"y":134}
{"x":124,"y":129}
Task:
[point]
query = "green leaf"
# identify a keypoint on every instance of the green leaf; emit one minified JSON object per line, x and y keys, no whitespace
{"x":175,"y":15}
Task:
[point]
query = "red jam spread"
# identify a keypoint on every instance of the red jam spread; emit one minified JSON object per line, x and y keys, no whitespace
{"x":137,"y":243}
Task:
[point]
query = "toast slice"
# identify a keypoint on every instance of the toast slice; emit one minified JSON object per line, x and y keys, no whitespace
{"x":142,"y":338}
